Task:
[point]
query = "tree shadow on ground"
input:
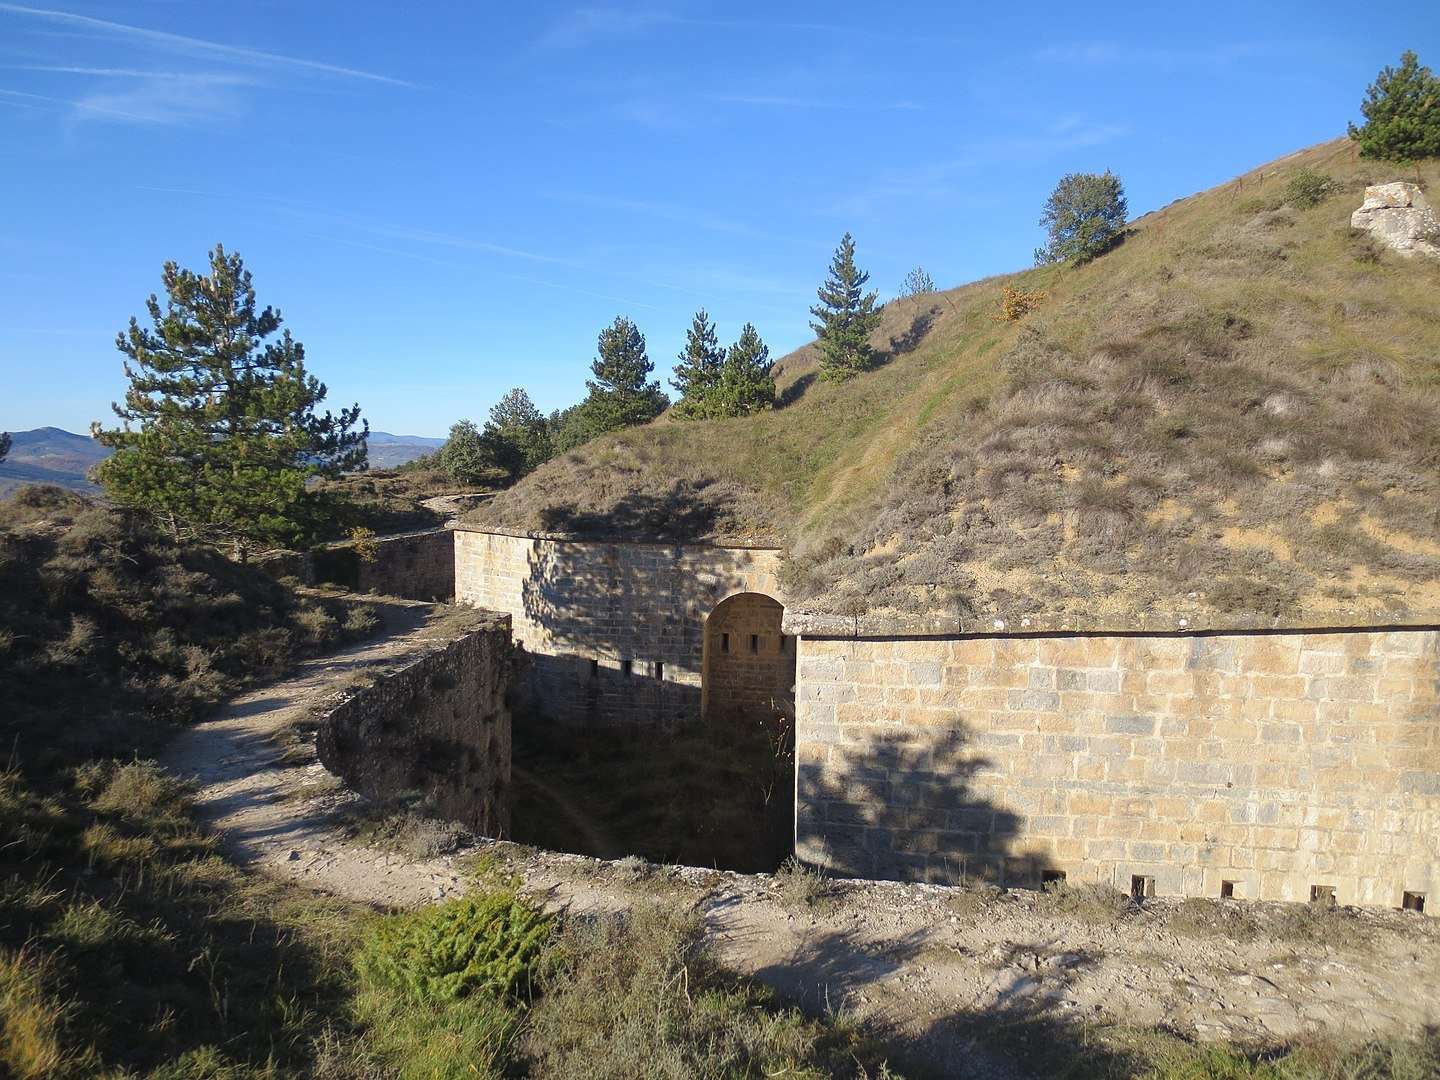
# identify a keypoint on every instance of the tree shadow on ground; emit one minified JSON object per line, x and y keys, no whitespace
{"x":909,"y":806}
{"x":910,"y":339}
{"x":1024,"y":1022}
{"x":795,"y":391}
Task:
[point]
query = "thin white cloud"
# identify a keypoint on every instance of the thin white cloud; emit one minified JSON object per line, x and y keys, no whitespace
{"x":97,"y":108}
{"x":1120,"y":54}
{"x":198,"y":46}
{"x":780,"y":101}
{"x":934,"y":180}
{"x":133,"y":73}
{"x":585,"y":26}
{"x":166,"y":101}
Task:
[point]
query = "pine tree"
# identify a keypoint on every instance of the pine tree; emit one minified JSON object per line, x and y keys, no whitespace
{"x":619,"y":394}
{"x":517,"y":434}
{"x":846,"y":315}
{"x":4,"y":444}
{"x":469,"y":457}
{"x":698,"y":372}
{"x":1402,"y":114}
{"x":1084,"y":217}
{"x":745,"y":385}
{"x":917,"y":283}
{"x":227,"y":433}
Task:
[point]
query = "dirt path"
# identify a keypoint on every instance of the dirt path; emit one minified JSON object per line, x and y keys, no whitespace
{"x":936,"y":967}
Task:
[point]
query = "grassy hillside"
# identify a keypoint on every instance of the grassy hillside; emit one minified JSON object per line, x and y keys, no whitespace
{"x":1233,"y":416}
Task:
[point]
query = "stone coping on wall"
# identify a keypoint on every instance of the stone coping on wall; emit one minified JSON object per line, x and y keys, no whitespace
{"x":582,"y":538}
{"x":894,"y":625}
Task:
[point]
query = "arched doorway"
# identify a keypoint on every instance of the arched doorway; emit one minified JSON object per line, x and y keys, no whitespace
{"x":748,"y":703}
{"x":749,"y":664}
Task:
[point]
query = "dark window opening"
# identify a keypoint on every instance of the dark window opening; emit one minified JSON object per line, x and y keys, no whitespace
{"x":724,"y":642}
{"x":1412,"y":901}
{"x":1142,"y":886}
{"x":659,"y":670}
{"x":1227,"y":890}
{"x":1052,"y":877}
{"x":594,"y":668}
{"x":1322,"y":894}
{"x":626,"y":667}
{"x":755,"y":643}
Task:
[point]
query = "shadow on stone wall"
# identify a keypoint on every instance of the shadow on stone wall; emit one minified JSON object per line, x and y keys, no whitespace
{"x":903,"y":806}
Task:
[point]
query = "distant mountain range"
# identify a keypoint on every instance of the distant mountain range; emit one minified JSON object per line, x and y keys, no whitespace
{"x":51,"y":455}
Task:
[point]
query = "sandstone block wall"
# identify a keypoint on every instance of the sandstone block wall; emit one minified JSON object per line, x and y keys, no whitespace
{"x":1272,"y":761}
{"x":437,"y":726}
{"x":415,"y":566}
{"x":750,"y":663}
{"x":614,"y":632}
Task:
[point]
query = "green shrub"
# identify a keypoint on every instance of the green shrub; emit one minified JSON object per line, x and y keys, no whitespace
{"x":486,"y":944}
{"x":1309,"y":188}
{"x":641,"y":996}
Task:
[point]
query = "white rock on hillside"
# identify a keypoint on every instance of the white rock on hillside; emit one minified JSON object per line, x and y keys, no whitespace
{"x":1400,"y":218}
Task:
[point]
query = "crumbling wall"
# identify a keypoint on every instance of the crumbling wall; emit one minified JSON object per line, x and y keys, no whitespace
{"x":437,"y":726}
{"x":413,"y":566}
{"x":1274,"y":762}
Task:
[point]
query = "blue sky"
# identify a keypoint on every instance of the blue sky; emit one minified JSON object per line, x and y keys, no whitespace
{"x":447,"y":200}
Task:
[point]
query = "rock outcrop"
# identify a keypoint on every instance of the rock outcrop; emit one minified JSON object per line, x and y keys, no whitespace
{"x":1400,"y":218}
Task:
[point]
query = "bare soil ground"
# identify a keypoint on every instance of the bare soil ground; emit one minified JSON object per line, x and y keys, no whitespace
{"x":966,"y":983}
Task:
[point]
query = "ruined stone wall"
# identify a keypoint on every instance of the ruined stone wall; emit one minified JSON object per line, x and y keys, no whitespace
{"x":415,"y":566}
{"x":1271,"y":761}
{"x":436,"y":726}
{"x":750,"y":663}
{"x":614,"y":632}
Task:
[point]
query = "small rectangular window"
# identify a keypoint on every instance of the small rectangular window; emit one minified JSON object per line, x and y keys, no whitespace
{"x":659,"y":670}
{"x":724,"y":642}
{"x":1227,"y":890}
{"x":1142,"y":887}
{"x":594,"y":668}
{"x":755,"y":643}
{"x":1413,"y":901}
{"x":626,"y":666}
{"x":1322,"y":894}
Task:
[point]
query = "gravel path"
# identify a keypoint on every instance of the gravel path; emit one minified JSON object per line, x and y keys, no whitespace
{"x":934,"y":966}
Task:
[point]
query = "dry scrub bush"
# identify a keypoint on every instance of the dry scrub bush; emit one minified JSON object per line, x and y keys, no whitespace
{"x":1015,"y":304}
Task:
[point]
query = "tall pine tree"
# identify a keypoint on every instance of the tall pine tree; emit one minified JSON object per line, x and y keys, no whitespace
{"x":620,"y":394}
{"x":846,"y":316}
{"x":698,"y":372}
{"x":1402,"y":114}
{"x":746,"y":385}
{"x":220,"y":431}
{"x":517,"y":434}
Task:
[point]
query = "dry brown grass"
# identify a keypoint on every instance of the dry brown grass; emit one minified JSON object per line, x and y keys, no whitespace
{"x":1242,"y":361}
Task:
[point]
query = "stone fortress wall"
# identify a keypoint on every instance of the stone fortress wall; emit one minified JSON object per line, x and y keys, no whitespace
{"x":1260,"y":764}
{"x":437,"y":726}
{"x":614,"y":632}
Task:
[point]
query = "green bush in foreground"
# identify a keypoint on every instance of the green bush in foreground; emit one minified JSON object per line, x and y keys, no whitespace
{"x":484,"y":944}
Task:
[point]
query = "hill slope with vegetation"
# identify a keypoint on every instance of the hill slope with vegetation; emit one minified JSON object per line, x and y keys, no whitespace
{"x":1232,"y":417}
